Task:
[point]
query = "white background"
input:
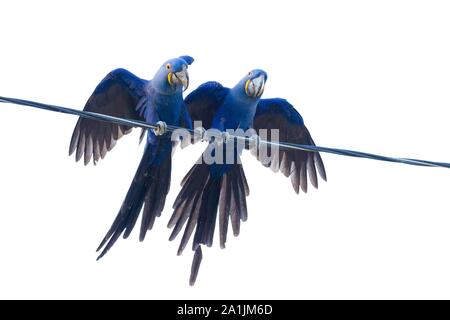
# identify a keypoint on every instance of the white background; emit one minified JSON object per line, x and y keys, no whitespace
{"x":366,"y":75}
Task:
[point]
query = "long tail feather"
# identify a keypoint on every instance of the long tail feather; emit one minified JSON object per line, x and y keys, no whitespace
{"x":198,"y":256}
{"x":202,"y":197}
{"x":149,"y":188}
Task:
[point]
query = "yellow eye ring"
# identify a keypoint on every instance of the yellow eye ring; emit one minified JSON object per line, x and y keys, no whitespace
{"x":168,"y":66}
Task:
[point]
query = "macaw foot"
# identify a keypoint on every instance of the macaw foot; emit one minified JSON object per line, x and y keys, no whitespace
{"x":254,"y":144}
{"x":161,"y":128}
{"x":199,"y":134}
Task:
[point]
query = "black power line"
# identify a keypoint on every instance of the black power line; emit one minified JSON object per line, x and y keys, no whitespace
{"x":141,"y":124}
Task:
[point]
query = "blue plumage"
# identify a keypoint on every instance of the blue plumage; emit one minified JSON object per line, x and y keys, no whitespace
{"x":277,"y":106}
{"x":238,"y":108}
{"x":211,"y":189}
{"x":123,"y":94}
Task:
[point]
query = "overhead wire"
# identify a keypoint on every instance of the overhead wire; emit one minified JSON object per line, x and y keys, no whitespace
{"x":171,"y":128}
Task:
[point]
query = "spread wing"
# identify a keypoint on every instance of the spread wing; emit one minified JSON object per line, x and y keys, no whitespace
{"x":297,"y":164}
{"x":204,"y":102}
{"x":118,"y":94}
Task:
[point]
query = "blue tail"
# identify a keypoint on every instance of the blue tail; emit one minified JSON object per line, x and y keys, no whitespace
{"x":149,"y":189}
{"x":202,"y":196}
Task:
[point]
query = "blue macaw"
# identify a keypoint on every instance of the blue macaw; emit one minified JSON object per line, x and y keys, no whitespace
{"x":160,"y":100}
{"x":209,"y":188}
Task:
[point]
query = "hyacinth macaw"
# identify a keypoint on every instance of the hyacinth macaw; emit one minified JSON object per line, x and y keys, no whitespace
{"x":211,"y":188}
{"x":160,"y":100}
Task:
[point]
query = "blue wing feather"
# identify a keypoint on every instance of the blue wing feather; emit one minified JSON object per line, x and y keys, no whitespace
{"x":281,"y":107}
{"x":118,"y":94}
{"x":281,"y":115}
{"x":204,"y":102}
{"x":133,"y":84}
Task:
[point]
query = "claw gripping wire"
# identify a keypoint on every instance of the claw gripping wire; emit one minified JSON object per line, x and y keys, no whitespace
{"x":161,"y":128}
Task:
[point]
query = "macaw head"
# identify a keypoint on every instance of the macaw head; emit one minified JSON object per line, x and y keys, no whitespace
{"x":252,"y":85}
{"x":173,"y":76}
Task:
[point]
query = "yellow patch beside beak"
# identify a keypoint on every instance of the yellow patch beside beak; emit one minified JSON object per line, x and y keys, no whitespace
{"x":169,"y":78}
{"x":246,"y":86}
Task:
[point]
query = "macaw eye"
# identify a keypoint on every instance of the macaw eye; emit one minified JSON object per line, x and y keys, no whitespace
{"x":168,"y":66}
{"x":250,"y":73}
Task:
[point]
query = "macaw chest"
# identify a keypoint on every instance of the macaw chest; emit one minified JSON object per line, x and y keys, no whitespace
{"x":168,"y":108}
{"x":234,"y":117}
